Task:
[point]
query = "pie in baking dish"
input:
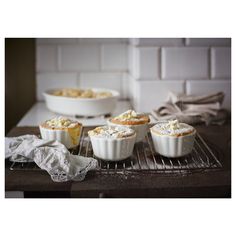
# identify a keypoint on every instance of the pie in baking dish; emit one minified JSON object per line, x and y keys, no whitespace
{"x":81,"y":93}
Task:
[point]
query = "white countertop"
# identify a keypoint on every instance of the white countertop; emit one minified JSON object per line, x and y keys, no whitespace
{"x":39,"y":113}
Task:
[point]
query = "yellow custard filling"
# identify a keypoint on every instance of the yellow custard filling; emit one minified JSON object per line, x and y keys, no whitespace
{"x":74,"y":134}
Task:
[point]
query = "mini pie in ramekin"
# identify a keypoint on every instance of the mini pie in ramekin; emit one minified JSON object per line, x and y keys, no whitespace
{"x":62,"y":129}
{"x":131,"y":119}
{"x":112,"y":143}
{"x":173,"y":139}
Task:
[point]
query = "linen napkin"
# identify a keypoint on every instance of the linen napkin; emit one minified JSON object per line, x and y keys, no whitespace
{"x":192,"y":109}
{"x":51,"y":156}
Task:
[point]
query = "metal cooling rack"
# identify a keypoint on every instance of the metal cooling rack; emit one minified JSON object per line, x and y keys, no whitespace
{"x":145,"y":160}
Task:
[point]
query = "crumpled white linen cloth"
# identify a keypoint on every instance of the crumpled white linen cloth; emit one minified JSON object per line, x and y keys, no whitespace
{"x":192,"y":109}
{"x":51,"y":156}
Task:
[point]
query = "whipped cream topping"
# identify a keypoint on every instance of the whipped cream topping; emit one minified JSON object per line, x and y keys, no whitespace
{"x":128,"y":115}
{"x":173,"y":128}
{"x":61,"y":122}
{"x":112,"y":132}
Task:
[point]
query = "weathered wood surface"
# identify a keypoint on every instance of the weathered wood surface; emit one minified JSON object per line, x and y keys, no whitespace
{"x":204,"y":184}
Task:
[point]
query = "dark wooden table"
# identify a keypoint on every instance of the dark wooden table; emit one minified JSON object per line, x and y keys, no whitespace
{"x":203,"y":184}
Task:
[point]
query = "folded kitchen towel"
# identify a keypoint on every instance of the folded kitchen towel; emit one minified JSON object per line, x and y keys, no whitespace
{"x":51,"y":156}
{"x":192,"y":109}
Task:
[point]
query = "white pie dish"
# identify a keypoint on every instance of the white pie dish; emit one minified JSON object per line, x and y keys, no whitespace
{"x":81,"y":106}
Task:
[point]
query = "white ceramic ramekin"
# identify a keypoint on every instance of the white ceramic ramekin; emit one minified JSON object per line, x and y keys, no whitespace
{"x":172,"y":146}
{"x":113,"y":149}
{"x":140,"y":130}
{"x":62,"y":136}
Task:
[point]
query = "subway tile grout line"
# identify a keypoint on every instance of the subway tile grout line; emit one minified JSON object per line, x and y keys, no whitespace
{"x":185,"y":42}
{"x":78,"y":75}
{"x":160,"y":63}
{"x":100,"y":57}
{"x":185,"y":86}
{"x":57,"y":58}
{"x":64,"y":71}
{"x":210,"y":63}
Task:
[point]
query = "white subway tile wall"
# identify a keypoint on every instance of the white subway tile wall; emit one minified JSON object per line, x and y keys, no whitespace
{"x":151,"y":94}
{"x":47,"y":81}
{"x":201,"y":65}
{"x":46,"y":60}
{"x":79,"y":58}
{"x":185,"y":63}
{"x":103,"y":40}
{"x":221,"y":63}
{"x":142,"y":69}
{"x":82,"y":62}
{"x":56,"y":40}
{"x":146,"y":64}
{"x":114,"y":57}
{"x":157,"y":42}
{"x":208,"y":42}
{"x":132,"y":61}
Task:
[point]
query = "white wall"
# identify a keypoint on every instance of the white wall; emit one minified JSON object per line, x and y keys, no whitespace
{"x":184,"y":65}
{"x":100,"y":62}
{"x":143,"y":69}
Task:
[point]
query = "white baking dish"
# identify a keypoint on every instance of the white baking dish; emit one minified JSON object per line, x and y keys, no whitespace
{"x":81,"y":106}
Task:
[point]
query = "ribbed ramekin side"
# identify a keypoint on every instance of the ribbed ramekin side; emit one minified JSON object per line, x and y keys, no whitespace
{"x":170,"y":146}
{"x":61,"y":136}
{"x":113,"y":149}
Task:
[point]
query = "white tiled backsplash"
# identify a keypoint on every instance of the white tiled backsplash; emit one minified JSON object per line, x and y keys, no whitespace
{"x":142,"y":69}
